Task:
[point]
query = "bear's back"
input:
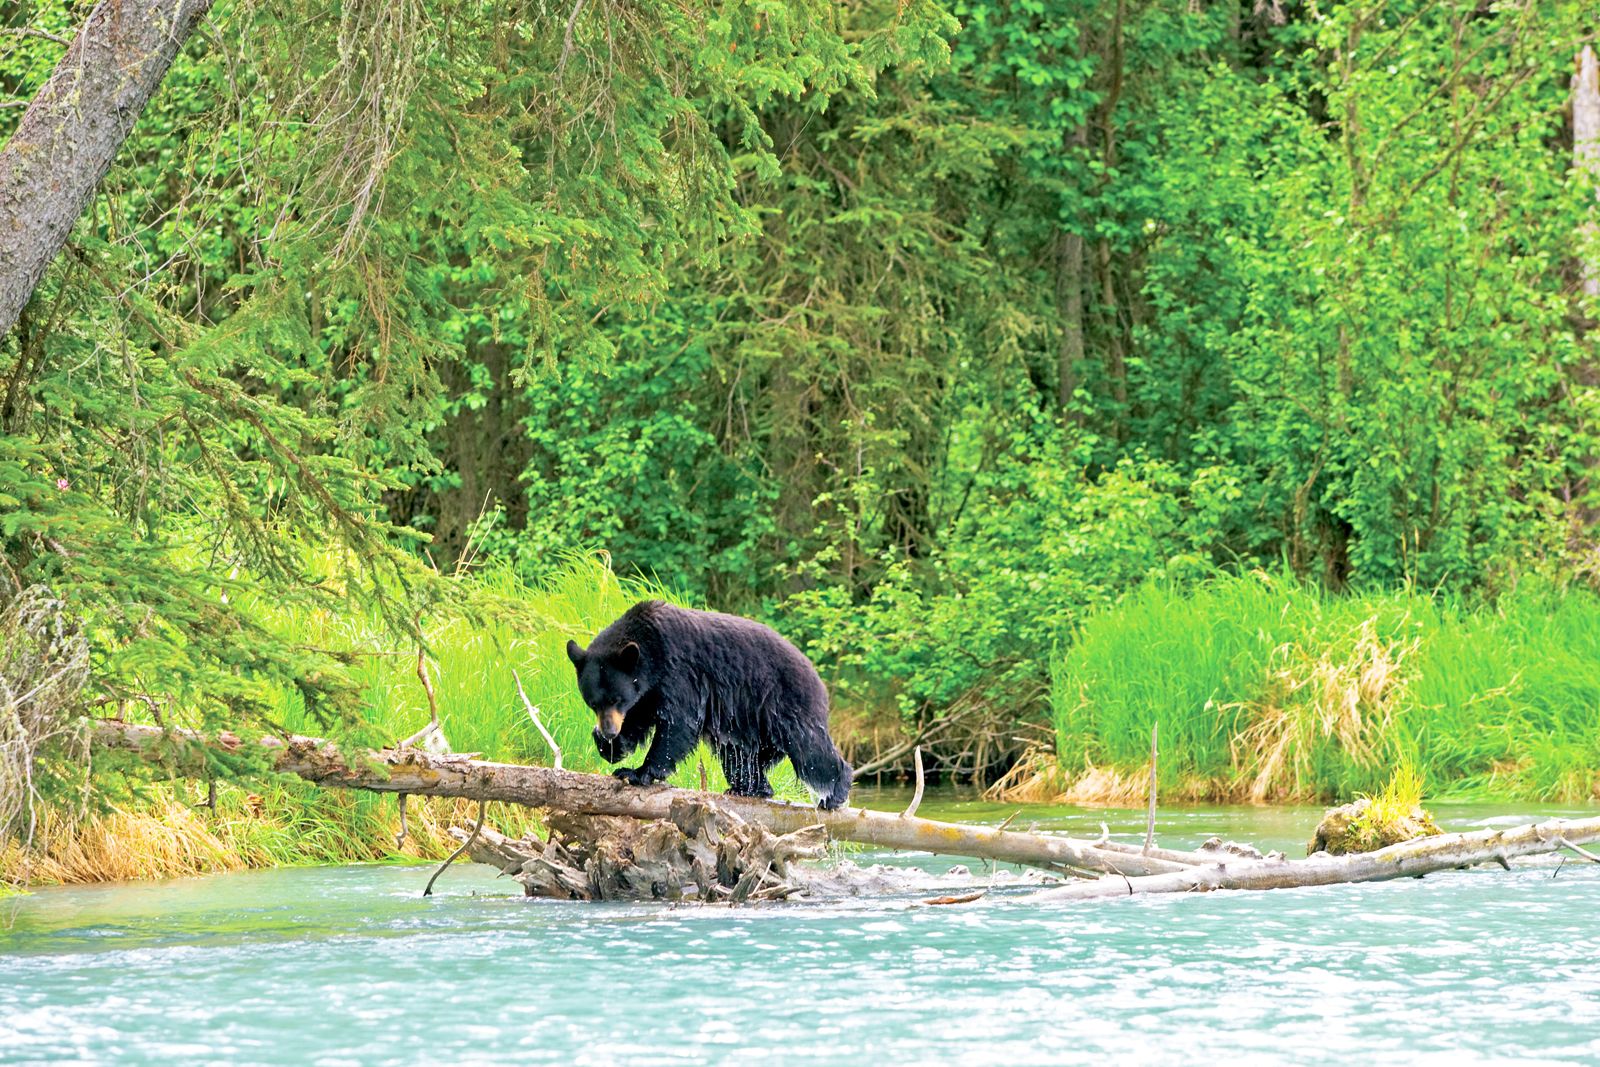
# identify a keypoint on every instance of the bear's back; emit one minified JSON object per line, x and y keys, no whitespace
{"x":718,"y":645}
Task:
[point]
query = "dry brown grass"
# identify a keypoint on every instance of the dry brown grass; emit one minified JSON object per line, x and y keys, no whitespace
{"x":163,"y":836}
{"x":1348,"y":697}
{"x":1039,"y":778}
{"x":1036,"y":778}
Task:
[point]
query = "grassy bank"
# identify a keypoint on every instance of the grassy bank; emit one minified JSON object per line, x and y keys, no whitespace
{"x":1266,"y":689}
{"x":164,"y":828}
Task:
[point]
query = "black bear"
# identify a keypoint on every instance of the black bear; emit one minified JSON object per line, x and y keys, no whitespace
{"x":691,"y":674}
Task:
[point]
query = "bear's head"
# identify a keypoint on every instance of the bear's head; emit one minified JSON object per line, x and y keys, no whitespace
{"x":608,"y":678}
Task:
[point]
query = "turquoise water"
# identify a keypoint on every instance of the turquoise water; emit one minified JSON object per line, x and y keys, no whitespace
{"x":349,"y":965}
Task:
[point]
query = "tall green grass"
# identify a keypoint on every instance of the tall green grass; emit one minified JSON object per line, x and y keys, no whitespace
{"x":514,"y":626}
{"x":1269,"y":689}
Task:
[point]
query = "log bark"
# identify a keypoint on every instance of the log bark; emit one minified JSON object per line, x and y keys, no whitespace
{"x":50,"y":167}
{"x":412,"y":771}
{"x":1410,"y":859}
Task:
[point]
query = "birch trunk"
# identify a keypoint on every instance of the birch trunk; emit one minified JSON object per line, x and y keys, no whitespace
{"x":50,"y":167}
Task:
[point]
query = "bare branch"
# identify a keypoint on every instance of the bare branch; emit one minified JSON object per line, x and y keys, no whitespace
{"x":916,"y":798}
{"x":533,"y":713}
{"x":29,"y":31}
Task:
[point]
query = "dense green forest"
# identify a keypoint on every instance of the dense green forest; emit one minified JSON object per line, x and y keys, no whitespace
{"x":1012,"y":356}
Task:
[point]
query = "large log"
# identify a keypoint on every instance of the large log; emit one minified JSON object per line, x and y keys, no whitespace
{"x":1409,"y":859}
{"x":412,"y":771}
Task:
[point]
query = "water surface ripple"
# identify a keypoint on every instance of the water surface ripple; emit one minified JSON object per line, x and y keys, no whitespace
{"x":348,"y":965}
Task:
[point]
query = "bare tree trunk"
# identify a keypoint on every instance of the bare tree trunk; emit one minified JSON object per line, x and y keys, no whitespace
{"x":413,"y":771}
{"x":1586,"y":161}
{"x":50,"y":167}
{"x":1410,"y":859}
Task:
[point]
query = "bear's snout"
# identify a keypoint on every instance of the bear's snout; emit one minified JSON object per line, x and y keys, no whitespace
{"x":610,"y":724}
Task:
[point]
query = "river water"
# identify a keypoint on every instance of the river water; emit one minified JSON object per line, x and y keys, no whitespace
{"x":349,"y":965}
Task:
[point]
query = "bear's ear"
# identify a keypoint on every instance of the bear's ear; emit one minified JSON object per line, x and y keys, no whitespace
{"x":575,"y":653}
{"x":627,"y":658}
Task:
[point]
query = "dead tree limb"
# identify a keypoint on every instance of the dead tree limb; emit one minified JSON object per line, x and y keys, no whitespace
{"x":1150,"y":815}
{"x":922,"y":781}
{"x":426,"y":774}
{"x":533,"y":713}
{"x":1425,"y":855}
{"x":72,"y":130}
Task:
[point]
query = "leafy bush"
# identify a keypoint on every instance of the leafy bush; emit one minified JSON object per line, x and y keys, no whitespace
{"x":969,"y":631}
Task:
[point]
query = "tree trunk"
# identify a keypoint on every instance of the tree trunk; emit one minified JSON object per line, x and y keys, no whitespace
{"x":1586,"y":161}
{"x":416,"y":772}
{"x":50,"y":167}
{"x":1069,"y":297}
{"x":1116,"y":353}
{"x":1069,"y":304}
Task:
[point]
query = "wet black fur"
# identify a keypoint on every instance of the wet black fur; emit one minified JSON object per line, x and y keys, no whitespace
{"x":752,"y":695}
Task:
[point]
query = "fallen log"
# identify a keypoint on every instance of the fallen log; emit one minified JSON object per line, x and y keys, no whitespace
{"x":413,"y":771}
{"x":1125,"y":870}
{"x":1409,"y":859}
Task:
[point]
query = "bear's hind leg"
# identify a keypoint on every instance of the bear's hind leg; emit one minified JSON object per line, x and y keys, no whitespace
{"x":746,"y":771}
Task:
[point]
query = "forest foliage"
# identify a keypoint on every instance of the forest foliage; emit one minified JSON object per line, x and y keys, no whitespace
{"x":928,"y":331}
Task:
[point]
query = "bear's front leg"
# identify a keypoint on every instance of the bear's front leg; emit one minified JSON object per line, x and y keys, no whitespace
{"x":675,"y":738}
{"x":636,"y":776}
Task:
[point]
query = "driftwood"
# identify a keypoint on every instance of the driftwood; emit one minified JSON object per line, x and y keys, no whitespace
{"x":428,"y":774}
{"x":1124,"y":869}
{"x":704,"y":853}
{"x":700,"y":852}
{"x":1411,"y":859}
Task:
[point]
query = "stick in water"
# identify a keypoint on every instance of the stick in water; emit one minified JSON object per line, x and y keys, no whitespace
{"x":916,"y":798}
{"x":1150,"y":815}
{"x":483,"y":806}
{"x":533,"y":713}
